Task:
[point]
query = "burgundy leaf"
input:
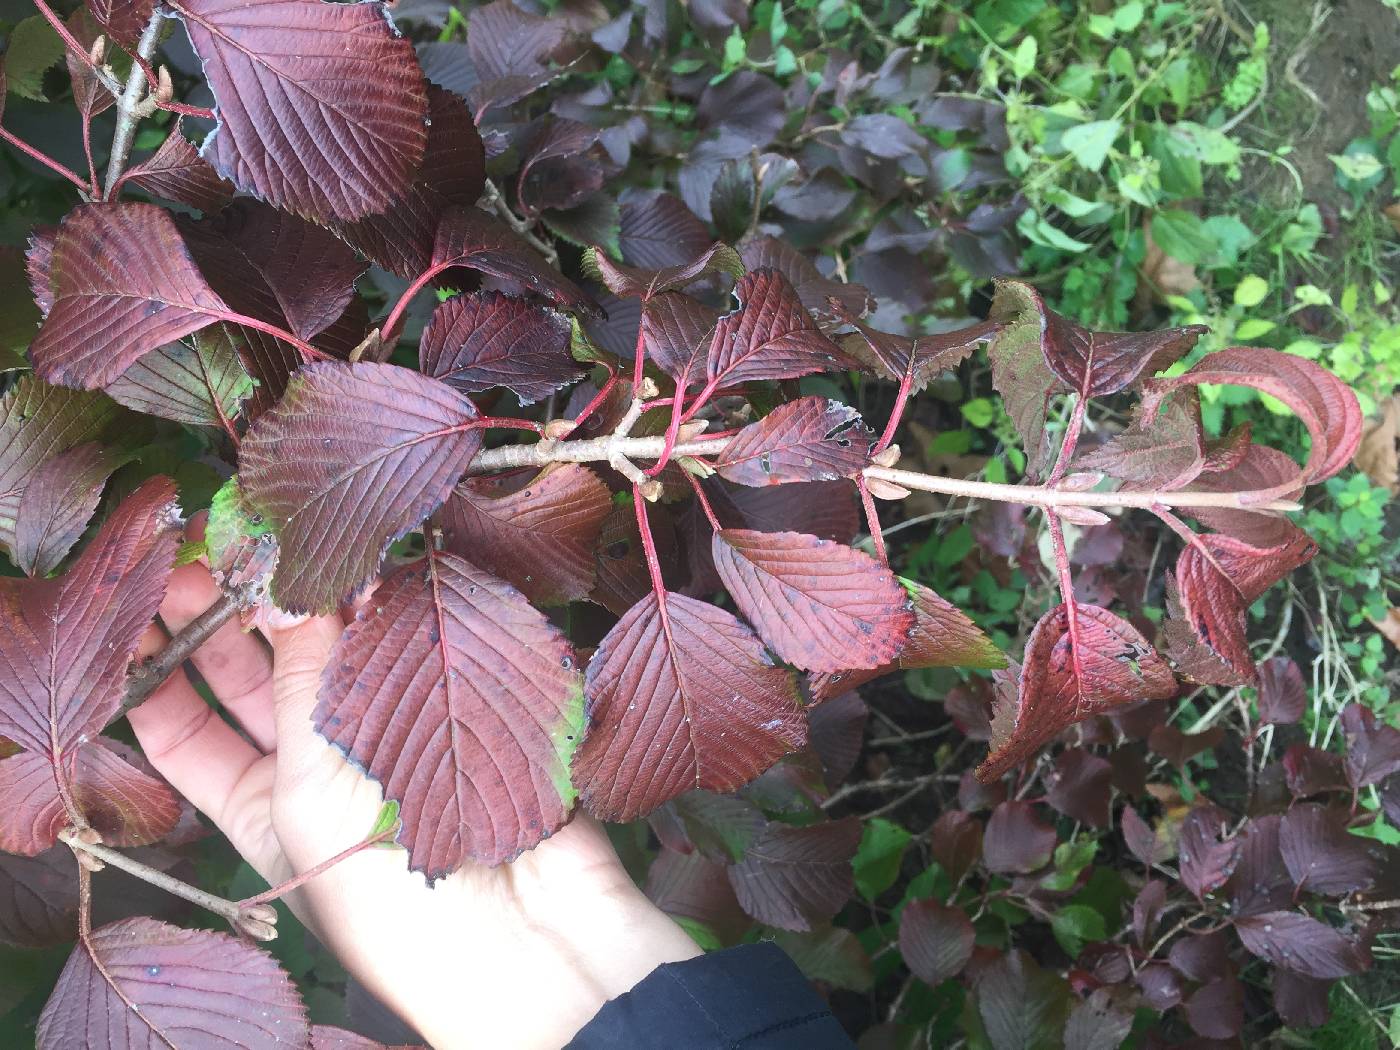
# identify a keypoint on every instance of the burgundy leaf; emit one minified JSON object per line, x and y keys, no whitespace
{"x":1205,"y":862}
{"x":1217,"y":578}
{"x":795,"y":878}
{"x":676,"y":332}
{"x":822,"y":606}
{"x":1325,"y":404}
{"x":352,"y":458}
{"x":1301,"y":1001}
{"x":1020,"y":372}
{"x":810,"y":439}
{"x":1302,"y":944}
{"x":1096,"y":1023}
{"x":814,"y":290}
{"x":1373,"y":747}
{"x":123,"y":20}
{"x":1021,"y":1006}
{"x":1080,"y":787}
{"x":955,"y":841}
{"x":935,"y":940}
{"x":539,"y":533}
{"x":681,"y":695}
{"x":837,"y":730}
{"x":1017,"y":841}
{"x":1147,"y":844}
{"x":125,"y":805}
{"x":38,"y":266}
{"x":1165,"y":449}
{"x":722,"y":827}
{"x":321,"y":106}
{"x":124,"y":283}
{"x":770,"y":336}
{"x":1312,"y":771}
{"x":1098,"y":363}
{"x":1282,"y":696}
{"x":633,"y":281}
{"x":833,"y":956}
{"x":745,"y":104}
{"x":38,"y":422}
{"x":621,"y":569}
{"x":1178,"y":748}
{"x":90,"y":95}
{"x":1216,"y":1010}
{"x":1201,"y":956}
{"x":1147,"y":910}
{"x":1261,"y":468}
{"x":1322,"y":856}
{"x":471,"y":238}
{"x":464,"y":702}
{"x":38,"y":898}
{"x":200,"y":381}
{"x":510,"y":50}
{"x":1161,"y":985}
{"x":483,"y":340}
{"x":178,"y":173}
{"x":140,"y":983}
{"x":57,"y":504}
{"x":691,"y":886}
{"x":560,"y":165}
{"x":1260,"y":881}
{"x":1075,"y":666}
{"x":822,"y":508}
{"x":918,"y":361}
{"x":65,"y":642}
{"x":452,"y":175}
{"x":658,"y":230}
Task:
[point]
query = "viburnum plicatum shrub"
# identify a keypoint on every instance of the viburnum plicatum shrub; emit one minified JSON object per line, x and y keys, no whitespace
{"x":508,"y":466}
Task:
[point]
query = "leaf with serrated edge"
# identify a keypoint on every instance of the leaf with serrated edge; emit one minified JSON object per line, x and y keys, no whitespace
{"x":466,"y":704}
{"x":351,"y":458}
{"x":635,"y":281}
{"x":65,"y":642}
{"x":200,"y":381}
{"x":1069,"y":673}
{"x":796,"y":878}
{"x":815,"y":291}
{"x":935,"y":940}
{"x":143,"y":983}
{"x":919,"y":360}
{"x":320,"y":106}
{"x":675,"y":333}
{"x":810,"y":439}
{"x":1164,"y":449}
{"x":57,"y":505}
{"x":681,"y":695}
{"x":658,"y":230}
{"x":1302,"y":944}
{"x":1019,"y":370}
{"x":177,"y":172}
{"x":770,"y":336}
{"x":822,"y":606}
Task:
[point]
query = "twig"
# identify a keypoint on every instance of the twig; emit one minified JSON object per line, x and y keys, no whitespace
{"x":258,"y":921}
{"x":152,"y":672}
{"x":128,"y":103}
{"x":271,"y":894}
{"x":519,"y":225}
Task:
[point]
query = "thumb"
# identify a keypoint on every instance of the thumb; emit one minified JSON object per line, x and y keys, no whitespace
{"x":299,"y":656}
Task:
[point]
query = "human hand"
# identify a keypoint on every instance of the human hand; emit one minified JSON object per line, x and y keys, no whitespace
{"x":521,"y":955}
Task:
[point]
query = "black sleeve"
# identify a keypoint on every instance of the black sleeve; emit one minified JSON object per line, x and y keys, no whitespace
{"x":748,"y":998}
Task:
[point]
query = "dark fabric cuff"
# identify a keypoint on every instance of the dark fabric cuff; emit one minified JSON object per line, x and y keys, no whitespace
{"x":747,"y":998}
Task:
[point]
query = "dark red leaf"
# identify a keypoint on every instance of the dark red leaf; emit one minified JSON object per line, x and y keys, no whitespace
{"x":1164,"y":449}
{"x":745,"y":104}
{"x":200,"y":380}
{"x":917,"y":361}
{"x":1021,"y":1006}
{"x":63,"y":672}
{"x":1323,"y":402}
{"x":955,"y":841}
{"x":1178,"y":748}
{"x":471,"y":238}
{"x":178,"y":173}
{"x":1098,"y":363}
{"x":352,"y":458}
{"x":1302,"y":944}
{"x":676,"y":331}
{"x":1074,"y":667}
{"x":770,"y":336}
{"x":691,"y":886}
{"x":38,"y":898}
{"x":1149,"y":845}
{"x":1081,"y":787}
{"x":447,"y":646}
{"x":837,"y":731}
{"x":658,"y":230}
{"x":560,"y":164}
{"x":633,"y":281}
{"x":125,"y":805}
{"x":935,"y":940}
{"x":90,"y":95}
{"x":483,"y":340}
{"x":1019,"y":369}
{"x":1301,"y":1001}
{"x":1282,"y":696}
{"x":969,"y":705}
{"x":142,"y":983}
{"x":1147,"y":910}
{"x":822,"y":508}
{"x":1161,"y":985}
{"x":681,"y":695}
{"x":795,"y":878}
{"x":1097,"y":1023}
{"x":57,"y":504}
{"x":123,"y":20}
{"x":822,"y":606}
{"x":452,"y":175}
{"x":1017,"y":841}
{"x":1322,"y":856}
{"x":814,"y":290}
{"x":810,"y":439}
{"x":124,"y":283}
{"x":833,"y":956}
{"x":1260,"y":881}
{"x":1217,"y":578}
{"x":510,"y":50}
{"x":1373,"y":747}
{"x":1261,"y":468}
{"x":538,"y":532}
{"x":1205,"y":862}
{"x":1216,"y":1010}
{"x":1201,"y":956}
{"x":321,"y":106}
{"x":38,"y":264}
{"x":1312,"y":771}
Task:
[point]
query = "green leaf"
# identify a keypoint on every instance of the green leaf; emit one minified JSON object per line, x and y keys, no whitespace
{"x":189,"y":553}
{"x":698,"y":932}
{"x":1253,"y":328}
{"x":1231,"y":237}
{"x":1074,"y":925}
{"x":1128,"y":16}
{"x":877,"y":861}
{"x":1251,"y":290}
{"x":33,"y":49}
{"x":1207,"y":145}
{"x":1089,"y":143}
{"x":387,"y":821}
{"x":1182,"y":236}
{"x":979,"y":411}
{"x":1023,"y":58}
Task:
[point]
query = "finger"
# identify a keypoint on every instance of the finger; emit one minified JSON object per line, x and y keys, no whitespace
{"x":237,"y":666}
{"x":299,"y":655}
{"x":202,"y":756}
